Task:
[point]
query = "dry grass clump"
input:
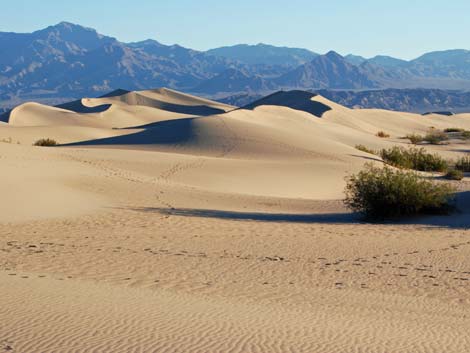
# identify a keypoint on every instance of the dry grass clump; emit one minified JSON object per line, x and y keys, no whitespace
{"x":45,"y":142}
{"x":381,"y":193}
{"x":435,"y":137}
{"x":463,"y":164}
{"x":365,"y":149}
{"x":454,"y":174}
{"x":414,"y":158}
{"x":415,"y":138}
{"x":382,"y":134}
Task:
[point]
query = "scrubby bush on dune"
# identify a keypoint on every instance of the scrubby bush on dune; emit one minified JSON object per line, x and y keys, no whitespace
{"x":365,"y":149}
{"x":435,"y":137}
{"x":45,"y":142}
{"x":454,"y":174}
{"x":383,"y":134}
{"x":414,"y":158}
{"x":465,"y":135}
{"x":381,"y":193}
{"x":463,"y":164}
{"x":415,"y":139}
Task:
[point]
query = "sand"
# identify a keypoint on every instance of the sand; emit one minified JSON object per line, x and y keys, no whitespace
{"x":160,"y":226}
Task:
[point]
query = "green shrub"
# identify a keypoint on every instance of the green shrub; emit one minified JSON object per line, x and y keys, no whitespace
{"x":383,"y":134}
{"x":365,"y":149}
{"x":463,"y":164}
{"x":414,"y":138}
{"x":435,"y":137}
{"x":465,"y":135}
{"x":414,"y":158}
{"x":454,"y":129}
{"x":454,"y":174}
{"x":45,"y":143}
{"x":380,"y":193}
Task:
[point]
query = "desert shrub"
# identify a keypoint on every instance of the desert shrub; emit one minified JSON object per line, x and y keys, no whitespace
{"x":383,"y":134}
{"x":414,"y":158}
{"x":435,"y":137}
{"x":463,"y":164}
{"x":380,"y":193}
{"x":454,"y":129}
{"x":7,"y":140}
{"x":465,"y":135}
{"x":415,"y":138}
{"x":45,"y":142}
{"x":365,"y":149}
{"x":454,"y":174}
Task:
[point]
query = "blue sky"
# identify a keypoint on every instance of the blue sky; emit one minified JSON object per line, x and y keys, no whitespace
{"x":399,"y":28}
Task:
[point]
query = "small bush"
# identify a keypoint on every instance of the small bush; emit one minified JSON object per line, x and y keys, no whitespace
{"x":454,"y":129}
{"x":415,"y":139}
{"x":465,"y":135}
{"x":380,"y":193}
{"x":454,"y":174}
{"x":365,"y":149}
{"x":383,"y":134}
{"x":45,"y":143}
{"x":435,"y":137}
{"x":463,"y":164}
{"x":414,"y":158}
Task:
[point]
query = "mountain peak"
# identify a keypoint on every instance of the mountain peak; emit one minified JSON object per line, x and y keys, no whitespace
{"x":333,"y":55}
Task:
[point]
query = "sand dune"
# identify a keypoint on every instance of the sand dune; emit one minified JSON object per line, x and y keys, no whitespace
{"x":166,"y":222}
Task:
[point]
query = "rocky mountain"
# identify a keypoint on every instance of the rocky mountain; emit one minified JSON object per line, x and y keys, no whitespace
{"x":405,"y":100}
{"x":263,"y":54}
{"x":67,"y":61}
{"x":328,"y":71}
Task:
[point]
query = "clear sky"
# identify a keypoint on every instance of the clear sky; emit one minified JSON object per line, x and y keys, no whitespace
{"x":401,"y":28}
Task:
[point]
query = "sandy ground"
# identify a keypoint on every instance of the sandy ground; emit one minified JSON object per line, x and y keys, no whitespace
{"x":167,"y":225}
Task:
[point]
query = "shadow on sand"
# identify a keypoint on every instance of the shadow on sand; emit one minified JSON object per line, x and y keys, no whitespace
{"x":460,"y":219}
{"x":298,"y":100}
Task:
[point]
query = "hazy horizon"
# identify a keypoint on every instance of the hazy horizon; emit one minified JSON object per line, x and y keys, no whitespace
{"x":402,"y":29}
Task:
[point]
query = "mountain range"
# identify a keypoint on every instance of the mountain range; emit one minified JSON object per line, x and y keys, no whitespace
{"x":66,"y":61}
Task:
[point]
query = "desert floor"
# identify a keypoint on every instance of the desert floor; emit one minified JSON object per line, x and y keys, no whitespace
{"x":168,"y":225}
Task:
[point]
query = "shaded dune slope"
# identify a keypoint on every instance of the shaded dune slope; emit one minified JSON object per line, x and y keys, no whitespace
{"x":299,"y":100}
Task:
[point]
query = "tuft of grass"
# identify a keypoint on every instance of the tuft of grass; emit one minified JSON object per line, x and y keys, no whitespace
{"x":415,"y":138}
{"x":365,"y":149}
{"x":381,"y":193}
{"x":454,"y":174}
{"x":435,"y":137}
{"x":463,"y":164}
{"x":414,"y":158}
{"x":382,"y":134}
{"x":45,"y":143}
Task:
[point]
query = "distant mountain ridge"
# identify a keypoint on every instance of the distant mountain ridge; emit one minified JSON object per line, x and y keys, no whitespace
{"x":67,"y":61}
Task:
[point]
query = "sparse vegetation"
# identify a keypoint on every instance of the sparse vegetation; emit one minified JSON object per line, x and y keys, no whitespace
{"x":45,"y":142}
{"x":435,"y":137}
{"x":383,"y":134}
{"x":414,"y":158}
{"x":465,"y":135}
{"x":7,"y":140}
{"x":454,"y":174}
{"x":381,"y":193}
{"x":365,"y":149}
{"x":415,"y":138}
{"x":463,"y":164}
